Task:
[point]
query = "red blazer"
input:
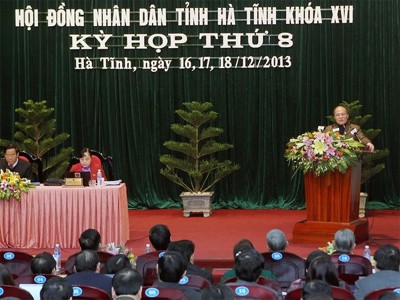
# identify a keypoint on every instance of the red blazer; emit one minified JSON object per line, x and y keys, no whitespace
{"x":94,"y":167}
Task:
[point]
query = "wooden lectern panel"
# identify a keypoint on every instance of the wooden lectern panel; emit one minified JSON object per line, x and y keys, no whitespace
{"x":333,"y":197}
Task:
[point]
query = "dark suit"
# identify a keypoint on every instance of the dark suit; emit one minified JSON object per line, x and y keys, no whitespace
{"x":23,"y":168}
{"x":91,"y":278}
{"x":196,"y":270}
{"x":358,"y":136}
{"x":189,"y":292}
{"x":373,"y":282}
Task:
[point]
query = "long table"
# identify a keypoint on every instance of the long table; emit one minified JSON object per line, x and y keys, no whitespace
{"x":47,"y":215}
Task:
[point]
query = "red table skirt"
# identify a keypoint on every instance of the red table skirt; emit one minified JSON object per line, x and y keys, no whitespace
{"x":48,"y":215}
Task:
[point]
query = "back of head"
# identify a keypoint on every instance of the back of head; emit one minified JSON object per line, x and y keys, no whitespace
{"x":242,"y":245}
{"x":56,"y":288}
{"x":160,"y":236}
{"x":344,"y":240}
{"x":43,"y":263}
{"x":313,"y":255}
{"x":387,"y":257}
{"x":171,"y":266}
{"x":86,"y":260}
{"x":184,"y":247}
{"x":324,"y":269}
{"x":127,"y":282}
{"x":316,"y":288}
{"x":249,"y":265}
{"x":90,"y":239}
{"x":116,"y":263}
{"x":276,"y":240}
{"x":5,"y":276}
{"x":217,"y":292}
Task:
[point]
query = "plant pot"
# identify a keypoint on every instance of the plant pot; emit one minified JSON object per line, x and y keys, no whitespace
{"x":196,"y":202}
{"x":363,"y":199}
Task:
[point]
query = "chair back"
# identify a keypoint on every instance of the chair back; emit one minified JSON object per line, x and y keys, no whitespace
{"x":104,"y":256}
{"x":33,"y":279}
{"x":19,"y":263}
{"x":36,"y":162}
{"x":337,"y":293}
{"x":376,"y":294}
{"x":99,"y":158}
{"x":351,"y":266}
{"x":83,"y":292}
{"x":163,"y":294}
{"x":195,"y":282}
{"x":146,"y":265}
{"x":285,"y":266}
{"x":272,"y":284}
{"x":250,"y":292}
{"x":13,"y":291}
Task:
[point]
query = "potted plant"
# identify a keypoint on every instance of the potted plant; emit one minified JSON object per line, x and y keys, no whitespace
{"x":370,"y":160}
{"x":193,"y":165}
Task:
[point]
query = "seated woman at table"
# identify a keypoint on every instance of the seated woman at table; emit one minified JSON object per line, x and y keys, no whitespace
{"x":88,"y":163}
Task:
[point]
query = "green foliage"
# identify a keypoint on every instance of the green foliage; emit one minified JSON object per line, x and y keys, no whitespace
{"x":37,"y":136}
{"x":370,"y":164}
{"x":194,"y":169}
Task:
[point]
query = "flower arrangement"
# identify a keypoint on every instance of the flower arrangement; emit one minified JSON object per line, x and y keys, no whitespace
{"x":329,"y":248}
{"x":322,"y":152}
{"x":121,"y":249}
{"x":11,"y":185}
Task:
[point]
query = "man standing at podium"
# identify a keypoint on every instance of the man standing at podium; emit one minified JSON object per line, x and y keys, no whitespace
{"x":341,"y":116}
{"x":12,"y":162}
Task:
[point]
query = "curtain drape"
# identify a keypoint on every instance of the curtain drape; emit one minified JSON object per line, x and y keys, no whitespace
{"x":128,"y":114}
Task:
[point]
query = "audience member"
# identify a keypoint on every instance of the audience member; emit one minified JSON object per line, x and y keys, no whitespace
{"x":160,"y":237}
{"x":5,"y":276}
{"x":217,"y":292}
{"x":276,"y":240}
{"x":117,"y":262}
{"x":12,"y":162}
{"x":317,"y":289}
{"x":127,"y":284}
{"x":243,"y":245}
{"x":86,"y":164}
{"x":387,"y":259}
{"x":299,"y":283}
{"x":344,"y":241}
{"x":90,"y":239}
{"x":248,"y":267}
{"x":171,"y":268}
{"x":87,"y":265}
{"x":56,"y":288}
{"x":322,"y":268}
{"x":186,"y":248}
{"x":43,"y":263}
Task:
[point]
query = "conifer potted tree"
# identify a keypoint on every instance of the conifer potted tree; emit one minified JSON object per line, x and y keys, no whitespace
{"x":193,"y":164}
{"x":370,"y":161}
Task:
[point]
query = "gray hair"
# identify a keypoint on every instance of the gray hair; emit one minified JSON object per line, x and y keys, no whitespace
{"x":344,"y":240}
{"x":276,"y":240}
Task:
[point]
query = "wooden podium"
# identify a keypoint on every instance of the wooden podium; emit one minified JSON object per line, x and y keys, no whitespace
{"x":332,"y":203}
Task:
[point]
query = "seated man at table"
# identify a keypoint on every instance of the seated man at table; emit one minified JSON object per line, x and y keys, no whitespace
{"x":43,"y":263}
{"x":90,"y":239}
{"x":87,"y":265}
{"x":12,"y":162}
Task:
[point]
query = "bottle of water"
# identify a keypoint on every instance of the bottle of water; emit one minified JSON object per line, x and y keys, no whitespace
{"x":367,"y":252}
{"x":99,"y":178}
{"x":57,"y":258}
{"x":147,"y":249}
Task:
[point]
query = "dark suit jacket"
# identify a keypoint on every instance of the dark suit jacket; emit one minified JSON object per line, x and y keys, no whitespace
{"x":348,"y":129}
{"x":196,"y":270}
{"x":373,"y":282}
{"x":23,"y":168}
{"x":91,"y":278}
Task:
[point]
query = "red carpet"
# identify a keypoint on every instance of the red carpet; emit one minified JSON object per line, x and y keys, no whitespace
{"x":215,"y":236}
